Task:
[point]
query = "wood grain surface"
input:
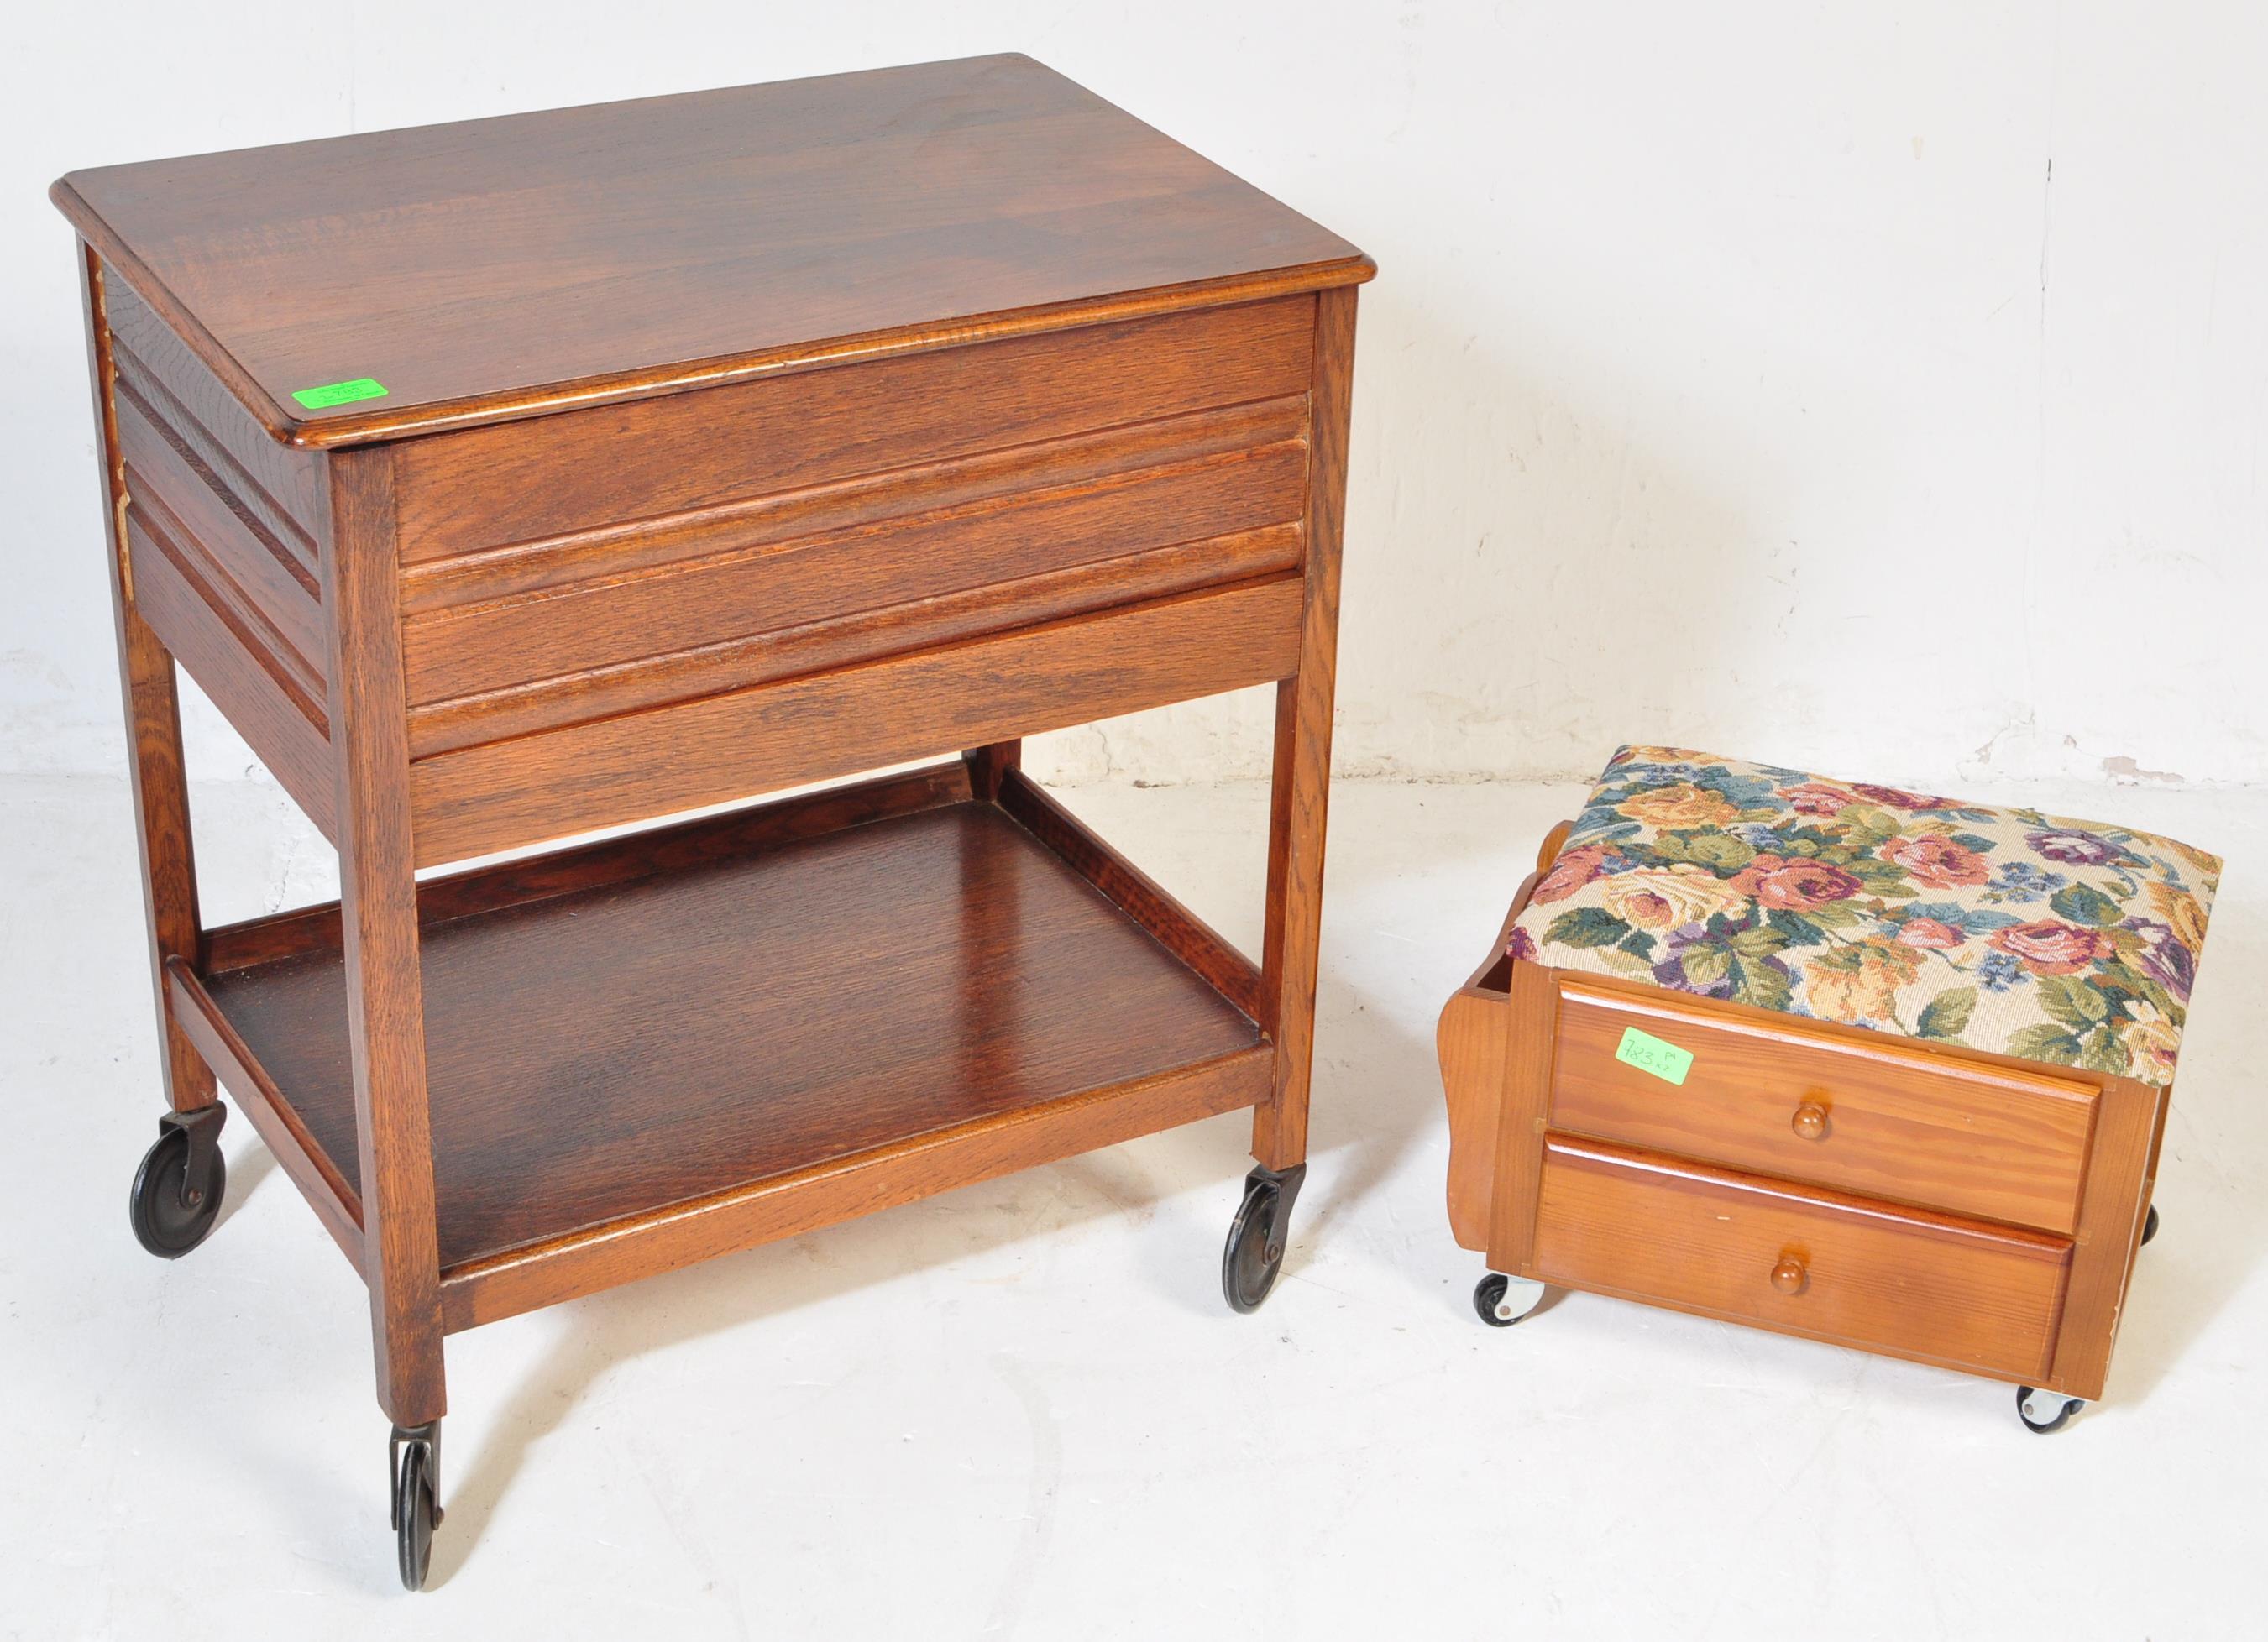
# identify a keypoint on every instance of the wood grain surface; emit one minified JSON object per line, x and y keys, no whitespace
{"x":155,"y":772}
{"x":1299,"y":800}
{"x":728,"y":442}
{"x":325,"y":1185}
{"x":680,"y":846}
{"x":837,"y":642}
{"x":864,"y":498}
{"x":506,"y":794}
{"x":496,"y":267}
{"x":866,"y":1183}
{"x":196,"y":621}
{"x":1480,"y":1057}
{"x":1532,"y":999}
{"x":1896,"y":1124}
{"x":2115,"y":1202}
{"x":1134,"y":892}
{"x":726,"y":457}
{"x":283,"y":486}
{"x":599,"y":1054}
{"x":1976,"y":1297}
{"x":615,"y":620}
{"x":1472,"y":1040}
{"x":378,"y":1008}
{"x":619,"y":560}
{"x":271,"y":589}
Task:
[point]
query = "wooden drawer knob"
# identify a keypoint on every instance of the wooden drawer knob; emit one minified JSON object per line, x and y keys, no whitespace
{"x":1810,"y":1121}
{"x":1788,"y":1275}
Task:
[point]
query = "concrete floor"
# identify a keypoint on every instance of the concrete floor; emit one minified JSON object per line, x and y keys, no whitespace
{"x":1022,"y":1410}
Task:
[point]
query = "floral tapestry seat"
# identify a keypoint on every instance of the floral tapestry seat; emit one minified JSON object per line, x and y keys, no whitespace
{"x":2006,"y":931}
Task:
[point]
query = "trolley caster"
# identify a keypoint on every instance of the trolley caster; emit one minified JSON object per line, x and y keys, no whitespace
{"x":1256,"y":1237}
{"x":2150,"y":1224}
{"x":414,"y":1455}
{"x":1502,"y":1301}
{"x":2044,"y":1411}
{"x":178,"y":1190}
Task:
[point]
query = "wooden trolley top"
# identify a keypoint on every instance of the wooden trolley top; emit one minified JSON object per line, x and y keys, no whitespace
{"x":493,"y":268}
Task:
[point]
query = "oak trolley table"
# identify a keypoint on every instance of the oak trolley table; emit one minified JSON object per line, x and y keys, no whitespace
{"x":513,"y":479}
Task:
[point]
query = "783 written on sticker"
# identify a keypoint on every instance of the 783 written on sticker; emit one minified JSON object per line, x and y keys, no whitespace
{"x":1653,"y":1055}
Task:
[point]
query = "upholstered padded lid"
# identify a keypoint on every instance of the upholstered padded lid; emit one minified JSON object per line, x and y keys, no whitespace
{"x":2069,"y":942}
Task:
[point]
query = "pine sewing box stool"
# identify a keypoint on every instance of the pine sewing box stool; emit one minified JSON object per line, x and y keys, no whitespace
{"x":535,"y":476}
{"x":1836,"y":1059}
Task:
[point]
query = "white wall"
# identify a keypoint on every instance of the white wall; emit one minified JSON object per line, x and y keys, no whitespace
{"x":1740,"y":375}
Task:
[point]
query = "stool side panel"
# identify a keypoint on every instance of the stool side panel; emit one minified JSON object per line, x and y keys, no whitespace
{"x":2114,"y":1203}
{"x":1531,"y":1049}
{"x":1471,"y":1043}
{"x":1472,"y":1040}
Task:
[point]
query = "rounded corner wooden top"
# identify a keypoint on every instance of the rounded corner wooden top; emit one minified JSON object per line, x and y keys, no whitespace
{"x":451,"y":275}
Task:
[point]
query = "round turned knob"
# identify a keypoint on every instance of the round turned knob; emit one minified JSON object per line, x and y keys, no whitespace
{"x":1810,"y":1121}
{"x":1787,"y":1276}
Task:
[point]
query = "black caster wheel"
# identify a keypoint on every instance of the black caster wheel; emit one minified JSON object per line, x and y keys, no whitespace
{"x":2150,"y":1224}
{"x":416,"y":1462}
{"x":2044,"y":1411}
{"x":1501,"y":1303}
{"x":1254,"y":1252}
{"x":178,"y":1190}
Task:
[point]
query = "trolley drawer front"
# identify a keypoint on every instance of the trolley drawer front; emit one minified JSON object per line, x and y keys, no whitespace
{"x":605,"y":562}
{"x":467,"y":493}
{"x":506,"y":794}
{"x":1239,"y":507}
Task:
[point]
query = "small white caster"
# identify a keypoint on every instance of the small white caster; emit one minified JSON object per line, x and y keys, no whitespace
{"x":1502,"y":1301}
{"x":2044,"y":1411}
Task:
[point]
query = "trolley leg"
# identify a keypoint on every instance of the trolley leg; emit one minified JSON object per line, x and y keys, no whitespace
{"x":1301,"y":793}
{"x":169,"y":877}
{"x":154,"y":723}
{"x":378,"y":900}
{"x":987,"y":765}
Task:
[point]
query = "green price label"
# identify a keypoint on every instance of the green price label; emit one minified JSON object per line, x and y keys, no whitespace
{"x":1649,"y":1054}
{"x":339,"y":393}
